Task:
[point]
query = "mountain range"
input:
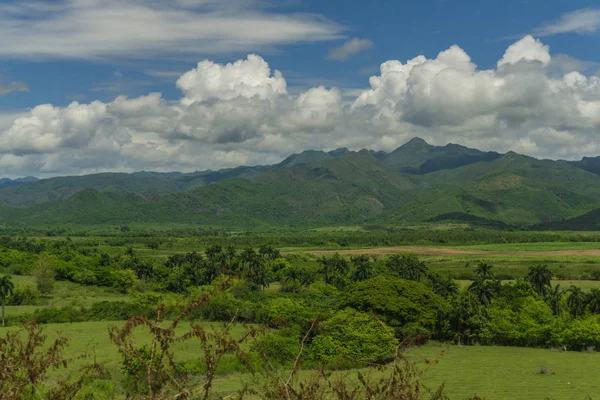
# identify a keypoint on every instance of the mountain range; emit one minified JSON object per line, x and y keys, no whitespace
{"x":415,"y":184}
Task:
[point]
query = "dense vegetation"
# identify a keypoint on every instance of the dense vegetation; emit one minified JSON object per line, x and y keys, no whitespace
{"x":415,"y":184}
{"x":338,"y":312}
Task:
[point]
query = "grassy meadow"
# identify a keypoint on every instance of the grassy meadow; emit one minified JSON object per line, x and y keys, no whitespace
{"x":498,"y":373}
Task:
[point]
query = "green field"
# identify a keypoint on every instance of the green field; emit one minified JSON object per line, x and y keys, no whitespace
{"x":65,"y":294}
{"x":498,"y":373}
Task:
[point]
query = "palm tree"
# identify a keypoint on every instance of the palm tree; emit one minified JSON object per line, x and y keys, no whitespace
{"x":333,"y":267}
{"x":246,"y":257}
{"x":363,"y":268}
{"x":594,"y":300}
{"x":6,"y":289}
{"x":269,"y":253}
{"x":292,"y":273}
{"x":482,"y":290}
{"x":576,"y":300}
{"x":445,"y":287}
{"x":484,"y":271}
{"x":407,"y":267}
{"x":554,"y":299}
{"x":539,"y":276}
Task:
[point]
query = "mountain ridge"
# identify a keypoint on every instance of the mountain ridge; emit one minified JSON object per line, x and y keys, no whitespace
{"x":416,"y":183}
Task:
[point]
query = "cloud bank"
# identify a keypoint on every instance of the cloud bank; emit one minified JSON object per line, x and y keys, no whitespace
{"x":242,"y":113}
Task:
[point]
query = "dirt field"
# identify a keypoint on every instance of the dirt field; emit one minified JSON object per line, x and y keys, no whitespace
{"x":442,"y":251}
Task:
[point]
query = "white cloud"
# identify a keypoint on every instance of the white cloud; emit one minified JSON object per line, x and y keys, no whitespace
{"x":527,"y":49}
{"x":149,"y":28}
{"x":242,"y":113}
{"x":245,"y":78}
{"x":348,"y":49}
{"x":585,"y":21}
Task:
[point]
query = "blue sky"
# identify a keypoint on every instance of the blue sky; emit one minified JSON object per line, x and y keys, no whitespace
{"x":106,"y":85}
{"x":398,"y":29}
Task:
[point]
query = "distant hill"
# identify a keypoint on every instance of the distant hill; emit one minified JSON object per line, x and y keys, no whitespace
{"x":6,"y":182}
{"x":589,"y":221}
{"x":590,"y":164}
{"x":415,"y":184}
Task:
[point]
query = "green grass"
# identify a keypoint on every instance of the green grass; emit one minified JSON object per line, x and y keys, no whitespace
{"x":65,"y":294}
{"x":498,"y":373}
{"x":511,"y":373}
{"x":91,"y":338}
{"x":585,"y":285}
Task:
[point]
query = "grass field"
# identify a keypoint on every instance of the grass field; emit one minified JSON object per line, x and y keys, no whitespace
{"x":498,"y":373}
{"x":65,"y":294}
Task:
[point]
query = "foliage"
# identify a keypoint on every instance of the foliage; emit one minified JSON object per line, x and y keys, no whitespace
{"x":45,"y":275}
{"x":403,"y":304}
{"x":26,"y":361}
{"x":352,"y":337}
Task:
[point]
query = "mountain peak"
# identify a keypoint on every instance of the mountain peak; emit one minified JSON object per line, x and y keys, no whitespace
{"x":416,"y":141}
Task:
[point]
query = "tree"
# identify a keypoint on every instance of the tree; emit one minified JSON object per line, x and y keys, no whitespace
{"x":445,"y":287}
{"x":45,"y":275}
{"x":484,"y":271}
{"x":7,"y":288}
{"x":363,"y":268}
{"x":333,"y":268}
{"x":130,"y":252}
{"x":406,"y":305}
{"x":269,"y":253}
{"x":593,"y":300}
{"x":407,"y":267}
{"x":554,"y":298}
{"x":124,"y":280}
{"x":539,"y":276}
{"x":576,"y":300}
{"x":483,"y":290}
{"x":292,"y":273}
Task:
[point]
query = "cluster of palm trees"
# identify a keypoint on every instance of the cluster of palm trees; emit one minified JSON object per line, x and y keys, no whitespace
{"x":539,"y":276}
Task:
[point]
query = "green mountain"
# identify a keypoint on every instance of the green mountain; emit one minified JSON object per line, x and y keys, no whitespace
{"x":419,"y":157}
{"x":415,"y":184}
{"x":590,"y":164}
{"x":589,"y":221}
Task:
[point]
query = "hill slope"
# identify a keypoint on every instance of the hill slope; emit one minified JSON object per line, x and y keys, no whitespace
{"x":417,"y":183}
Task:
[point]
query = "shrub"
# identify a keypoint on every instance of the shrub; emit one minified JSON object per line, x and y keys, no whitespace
{"x":397,"y":301}
{"x":353,"y":336}
{"x":281,"y":346}
{"x":45,"y":275}
{"x":24,"y":296}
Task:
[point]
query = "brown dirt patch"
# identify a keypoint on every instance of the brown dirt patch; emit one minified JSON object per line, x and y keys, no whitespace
{"x":442,"y":251}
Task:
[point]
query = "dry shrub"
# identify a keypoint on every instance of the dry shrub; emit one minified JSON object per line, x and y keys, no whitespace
{"x":25,"y":362}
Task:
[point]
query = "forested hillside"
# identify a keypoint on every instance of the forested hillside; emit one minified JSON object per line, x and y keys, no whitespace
{"x":416,"y":183}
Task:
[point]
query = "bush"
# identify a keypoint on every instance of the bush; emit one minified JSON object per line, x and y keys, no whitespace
{"x":400,"y":303}
{"x":24,"y":296}
{"x":280,"y":347}
{"x":355,"y":337}
{"x":45,"y":275}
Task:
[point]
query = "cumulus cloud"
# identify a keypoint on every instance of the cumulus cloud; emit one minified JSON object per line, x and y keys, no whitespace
{"x":242,"y":113}
{"x":142,"y":28}
{"x":348,"y":49}
{"x":244,"y":78}
{"x":585,"y":21}
{"x":527,"y":49}
{"x":14,"y":86}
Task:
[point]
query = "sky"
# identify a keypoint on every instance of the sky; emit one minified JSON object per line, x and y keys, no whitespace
{"x":93,"y":86}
